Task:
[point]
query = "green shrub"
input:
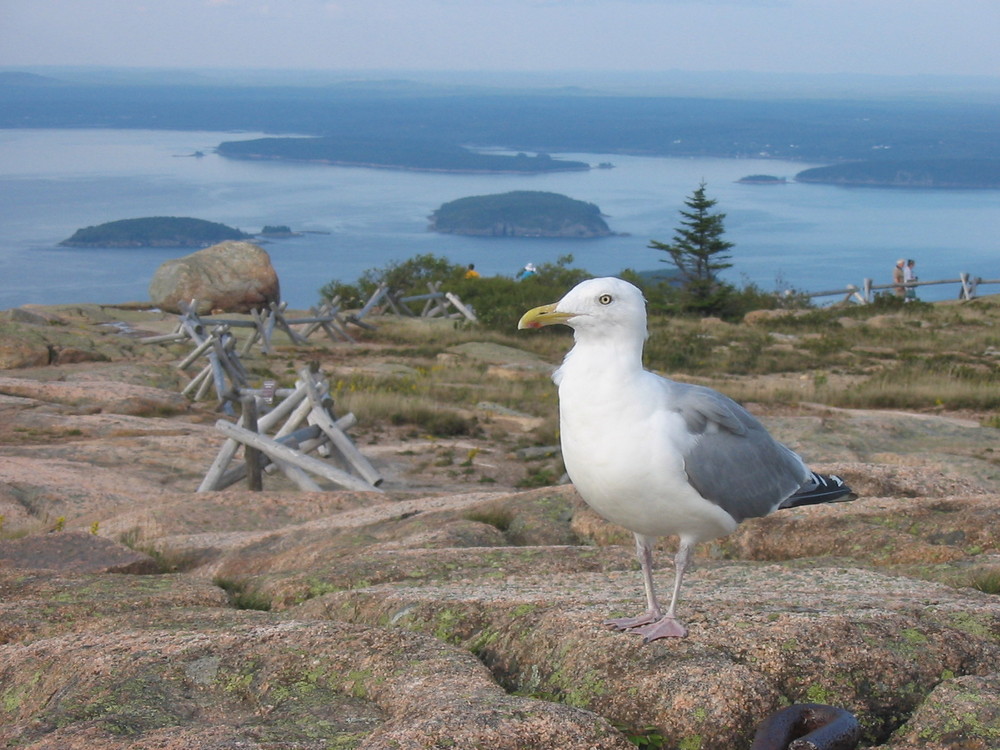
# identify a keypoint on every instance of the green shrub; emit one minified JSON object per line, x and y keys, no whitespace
{"x":498,"y":301}
{"x":402,"y":277}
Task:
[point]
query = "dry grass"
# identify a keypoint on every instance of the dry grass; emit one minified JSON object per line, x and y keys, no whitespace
{"x":943,"y":357}
{"x":439,"y":397}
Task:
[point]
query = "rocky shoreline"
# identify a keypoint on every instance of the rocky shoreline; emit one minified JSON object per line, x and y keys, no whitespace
{"x":137,"y":613}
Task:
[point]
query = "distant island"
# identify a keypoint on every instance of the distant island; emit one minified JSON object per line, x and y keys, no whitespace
{"x":280,"y":231}
{"x":522,"y":213}
{"x":910,"y":173}
{"x":411,"y":155}
{"x":762,"y":179}
{"x":154,"y":231}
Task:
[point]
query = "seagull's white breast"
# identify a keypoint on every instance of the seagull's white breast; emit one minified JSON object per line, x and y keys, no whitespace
{"x":623,"y":447}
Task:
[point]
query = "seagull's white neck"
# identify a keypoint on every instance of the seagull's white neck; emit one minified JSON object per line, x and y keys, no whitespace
{"x":597,"y":356}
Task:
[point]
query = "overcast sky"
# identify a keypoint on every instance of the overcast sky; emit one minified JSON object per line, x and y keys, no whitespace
{"x":887,"y":37}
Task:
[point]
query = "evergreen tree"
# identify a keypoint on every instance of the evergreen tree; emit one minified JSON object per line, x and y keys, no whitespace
{"x":699,"y":252}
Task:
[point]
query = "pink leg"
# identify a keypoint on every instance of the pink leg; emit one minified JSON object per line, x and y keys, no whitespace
{"x":644,"y":550}
{"x":653,"y":624}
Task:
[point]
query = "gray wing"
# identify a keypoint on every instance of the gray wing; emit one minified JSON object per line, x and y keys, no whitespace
{"x":734,"y":461}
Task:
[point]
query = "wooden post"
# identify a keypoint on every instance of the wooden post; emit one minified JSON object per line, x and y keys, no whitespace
{"x":440,"y":307}
{"x":301,"y":479}
{"x":218,"y":478}
{"x":218,"y":375}
{"x":278,"y":452}
{"x":371,"y":303}
{"x":282,"y":410}
{"x":301,"y":440}
{"x":198,"y":351}
{"x":460,"y":306}
{"x":206,"y":382}
{"x":231,"y":366}
{"x":327,"y":308}
{"x":324,"y":317}
{"x":266,"y":330}
{"x":254,"y":335}
{"x":333,"y":327}
{"x":396,"y":305}
{"x":220,"y":464}
{"x":287,"y":450}
{"x":297,"y":416}
{"x":197,"y":381}
{"x":164,"y":338}
{"x":319,"y":415}
{"x":278,"y":315}
{"x":963,"y":292}
{"x":332,"y":324}
{"x":435,"y":289}
{"x":193,"y":327}
{"x":255,"y":482}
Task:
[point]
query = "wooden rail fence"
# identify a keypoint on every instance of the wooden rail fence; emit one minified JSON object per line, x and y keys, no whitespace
{"x":213,"y":337}
{"x":283,"y":438}
{"x":865,"y":294}
{"x":436,"y":303}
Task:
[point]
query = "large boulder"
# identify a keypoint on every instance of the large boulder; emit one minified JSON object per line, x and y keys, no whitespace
{"x":232,"y":277}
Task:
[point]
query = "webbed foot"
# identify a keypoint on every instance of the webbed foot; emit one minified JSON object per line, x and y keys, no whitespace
{"x":667,"y":627}
{"x":628,"y":623}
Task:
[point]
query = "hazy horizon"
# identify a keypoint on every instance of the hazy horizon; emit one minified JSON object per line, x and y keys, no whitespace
{"x":815,"y":37}
{"x":727,"y":84}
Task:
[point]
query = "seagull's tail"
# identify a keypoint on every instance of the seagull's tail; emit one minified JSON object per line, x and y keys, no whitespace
{"x":821,"y":488}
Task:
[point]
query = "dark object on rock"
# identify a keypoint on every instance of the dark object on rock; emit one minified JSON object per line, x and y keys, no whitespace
{"x":808,"y":726}
{"x":232,"y":277}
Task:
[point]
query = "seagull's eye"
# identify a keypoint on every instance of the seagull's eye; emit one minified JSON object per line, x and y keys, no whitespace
{"x":604,"y":299}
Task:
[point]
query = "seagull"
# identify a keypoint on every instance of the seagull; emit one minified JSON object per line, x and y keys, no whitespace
{"x":658,"y":457}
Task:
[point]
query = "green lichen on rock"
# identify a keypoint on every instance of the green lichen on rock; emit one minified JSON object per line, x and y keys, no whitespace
{"x":960,"y":712}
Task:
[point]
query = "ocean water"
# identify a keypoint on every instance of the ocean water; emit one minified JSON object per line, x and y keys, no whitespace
{"x":804,"y":237}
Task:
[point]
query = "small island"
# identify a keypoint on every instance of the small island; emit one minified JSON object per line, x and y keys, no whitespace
{"x":910,"y":173}
{"x":154,"y":231}
{"x":522,"y":213}
{"x":419,"y":156}
{"x":761,"y":179}
{"x":279,"y":231}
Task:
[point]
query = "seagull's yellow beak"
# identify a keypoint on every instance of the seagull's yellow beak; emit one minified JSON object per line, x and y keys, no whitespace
{"x":546,"y":315}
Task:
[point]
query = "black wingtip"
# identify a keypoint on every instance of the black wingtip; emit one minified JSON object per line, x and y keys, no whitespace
{"x":823,"y":488}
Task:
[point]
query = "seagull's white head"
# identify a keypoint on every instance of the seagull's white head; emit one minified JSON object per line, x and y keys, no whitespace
{"x":606,"y":307}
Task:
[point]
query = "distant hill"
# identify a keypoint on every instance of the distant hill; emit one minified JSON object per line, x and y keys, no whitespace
{"x":522,"y":213}
{"x":922,"y":173}
{"x":400,"y":154}
{"x":557,"y":120}
{"x":155,"y":231}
